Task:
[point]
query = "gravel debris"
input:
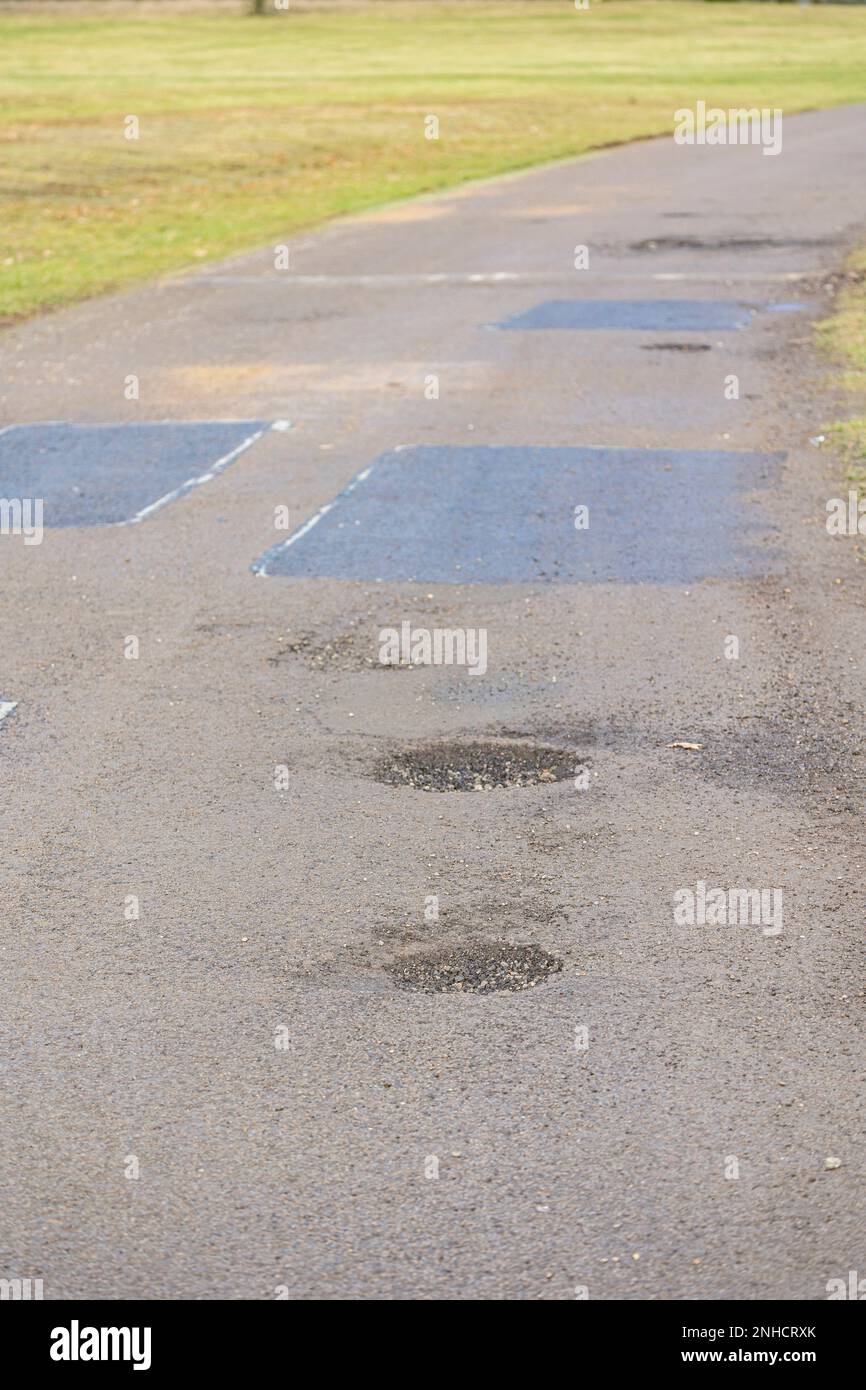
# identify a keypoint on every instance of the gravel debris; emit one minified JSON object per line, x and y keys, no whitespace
{"x":497,"y":968}
{"x":477,"y":766}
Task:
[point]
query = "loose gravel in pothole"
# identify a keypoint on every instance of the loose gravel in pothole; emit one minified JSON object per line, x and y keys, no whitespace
{"x":478,"y":766}
{"x":726,"y":243}
{"x":489,"y":969}
{"x":677,"y":347}
{"x":349,"y":651}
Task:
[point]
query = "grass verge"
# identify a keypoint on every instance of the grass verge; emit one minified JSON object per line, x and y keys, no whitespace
{"x":250,"y":129}
{"x":843,"y":338}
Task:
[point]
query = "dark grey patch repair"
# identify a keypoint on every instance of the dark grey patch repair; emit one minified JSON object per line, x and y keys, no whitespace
{"x":646,"y":315}
{"x":482,"y":515}
{"x":99,"y":475}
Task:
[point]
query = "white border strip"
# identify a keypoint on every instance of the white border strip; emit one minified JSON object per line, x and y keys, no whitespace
{"x":261,"y":566}
{"x":190,"y":483}
{"x":212,"y":472}
{"x":498,"y":277}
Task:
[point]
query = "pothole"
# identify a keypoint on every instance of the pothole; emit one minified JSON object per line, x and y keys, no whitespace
{"x":496,"y":968}
{"x":677,"y":347}
{"x":726,"y":243}
{"x":478,"y":766}
{"x":348,"y":651}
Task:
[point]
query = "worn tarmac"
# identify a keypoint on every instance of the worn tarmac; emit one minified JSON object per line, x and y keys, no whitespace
{"x":253,"y":1037}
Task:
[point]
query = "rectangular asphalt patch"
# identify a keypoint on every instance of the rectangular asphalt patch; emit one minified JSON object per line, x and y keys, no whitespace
{"x":649,"y":315}
{"x":100,"y":475}
{"x":507,"y":516}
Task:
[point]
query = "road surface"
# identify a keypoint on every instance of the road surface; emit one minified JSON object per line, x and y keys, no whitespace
{"x":243,"y":1056}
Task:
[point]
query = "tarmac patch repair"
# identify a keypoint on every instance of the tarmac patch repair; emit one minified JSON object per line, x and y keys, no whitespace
{"x":104,"y":475}
{"x":480,"y":515}
{"x":647,"y":315}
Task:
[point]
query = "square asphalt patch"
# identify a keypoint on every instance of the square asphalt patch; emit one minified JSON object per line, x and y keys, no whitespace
{"x":99,"y":475}
{"x":649,"y":315}
{"x":507,"y":516}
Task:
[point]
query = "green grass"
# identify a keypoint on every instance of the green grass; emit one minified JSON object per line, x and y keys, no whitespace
{"x":843,"y":337}
{"x":252,"y":128}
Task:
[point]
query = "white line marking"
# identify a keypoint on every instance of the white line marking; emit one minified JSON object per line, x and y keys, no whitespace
{"x":202,"y":477}
{"x":6,"y":707}
{"x":261,"y":566}
{"x":280,"y":425}
{"x":191,"y":483}
{"x":424,"y":278}
{"x":498,"y":277}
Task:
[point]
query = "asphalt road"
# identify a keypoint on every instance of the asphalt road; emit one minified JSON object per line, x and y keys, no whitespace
{"x":651,"y":1117}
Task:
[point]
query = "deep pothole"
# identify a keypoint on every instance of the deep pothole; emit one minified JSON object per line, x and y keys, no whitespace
{"x":493,"y":968}
{"x":476,"y":766}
